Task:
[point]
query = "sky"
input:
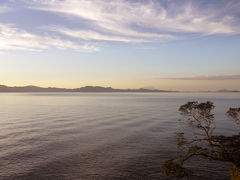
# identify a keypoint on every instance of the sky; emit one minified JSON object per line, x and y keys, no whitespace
{"x":157,"y":44}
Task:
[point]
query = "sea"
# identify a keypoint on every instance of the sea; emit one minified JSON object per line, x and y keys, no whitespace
{"x":102,"y":136}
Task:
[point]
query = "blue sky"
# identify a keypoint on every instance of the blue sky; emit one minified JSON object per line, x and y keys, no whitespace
{"x":182,"y":45}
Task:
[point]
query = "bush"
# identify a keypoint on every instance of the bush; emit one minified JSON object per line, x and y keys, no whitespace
{"x":204,"y":143}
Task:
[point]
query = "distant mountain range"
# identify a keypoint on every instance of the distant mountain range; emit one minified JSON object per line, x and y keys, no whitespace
{"x":82,"y":89}
{"x":4,"y":88}
{"x":226,"y":90}
{"x":222,"y":91}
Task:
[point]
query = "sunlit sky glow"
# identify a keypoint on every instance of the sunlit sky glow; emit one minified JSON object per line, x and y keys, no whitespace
{"x":164,"y":44}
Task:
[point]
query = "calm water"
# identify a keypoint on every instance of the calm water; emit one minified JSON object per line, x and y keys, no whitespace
{"x":99,"y":136}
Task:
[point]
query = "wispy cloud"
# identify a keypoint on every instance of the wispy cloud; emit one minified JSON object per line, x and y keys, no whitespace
{"x":4,"y":9}
{"x":12,"y":38}
{"x":98,"y":36}
{"x":138,"y":18}
{"x":204,"y":77}
{"x":123,"y":21}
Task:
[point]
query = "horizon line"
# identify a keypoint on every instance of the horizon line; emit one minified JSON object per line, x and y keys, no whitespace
{"x":120,"y":89}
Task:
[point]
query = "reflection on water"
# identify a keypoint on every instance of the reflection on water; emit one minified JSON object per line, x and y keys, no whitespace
{"x":98,"y":135}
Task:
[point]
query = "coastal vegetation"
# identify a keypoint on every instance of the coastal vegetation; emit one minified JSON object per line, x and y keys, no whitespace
{"x":203,"y":142}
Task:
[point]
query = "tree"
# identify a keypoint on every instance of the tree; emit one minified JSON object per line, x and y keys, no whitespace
{"x":203,"y":142}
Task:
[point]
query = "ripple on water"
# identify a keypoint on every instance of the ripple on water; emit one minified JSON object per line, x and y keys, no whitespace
{"x":95,"y":136}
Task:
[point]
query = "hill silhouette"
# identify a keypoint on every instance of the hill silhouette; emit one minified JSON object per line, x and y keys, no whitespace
{"x":4,"y":88}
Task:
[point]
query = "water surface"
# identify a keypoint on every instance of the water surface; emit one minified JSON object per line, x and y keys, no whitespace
{"x":99,"y":135}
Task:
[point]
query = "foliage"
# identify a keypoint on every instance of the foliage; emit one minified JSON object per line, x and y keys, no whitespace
{"x":235,"y":173}
{"x":234,"y":114}
{"x":170,"y":168}
{"x":203,"y":142}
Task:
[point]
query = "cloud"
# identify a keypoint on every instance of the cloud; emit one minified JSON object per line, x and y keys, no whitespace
{"x":97,"y":36}
{"x":205,"y":77}
{"x":123,"y":21}
{"x":4,"y":9}
{"x":140,"y":18}
{"x":12,"y":38}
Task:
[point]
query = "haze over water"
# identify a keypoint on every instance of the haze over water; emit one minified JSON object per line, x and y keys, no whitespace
{"x":99,"y":135}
